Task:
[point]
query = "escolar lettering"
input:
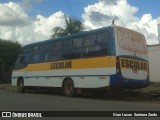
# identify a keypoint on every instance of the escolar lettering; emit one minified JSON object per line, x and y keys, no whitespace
{"x":134,"y":64}
{"x":61,"y":65}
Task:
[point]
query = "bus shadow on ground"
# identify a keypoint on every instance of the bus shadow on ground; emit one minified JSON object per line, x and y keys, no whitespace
{"x":139,"y":95}
{"x":120,"y":96}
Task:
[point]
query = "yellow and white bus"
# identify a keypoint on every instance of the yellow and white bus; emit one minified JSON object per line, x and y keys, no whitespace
{"x":113,"y":57}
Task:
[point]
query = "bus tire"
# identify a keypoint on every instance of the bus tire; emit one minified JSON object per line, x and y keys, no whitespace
{"x":68,"y":88}
{"x":21,"y":88}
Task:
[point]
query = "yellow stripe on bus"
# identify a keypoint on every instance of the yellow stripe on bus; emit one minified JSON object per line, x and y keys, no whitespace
{"x":83,"y":63}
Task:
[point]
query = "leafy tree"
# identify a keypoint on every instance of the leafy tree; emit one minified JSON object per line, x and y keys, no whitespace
{"x":8,"y":52}
{"x":72,"y":26}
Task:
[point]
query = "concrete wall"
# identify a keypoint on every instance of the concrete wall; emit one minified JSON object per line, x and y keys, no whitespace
{"x":158,"y":26}
{"x":154,"y":63}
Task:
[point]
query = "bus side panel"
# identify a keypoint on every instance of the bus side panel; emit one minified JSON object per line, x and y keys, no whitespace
{"x":83,"y":78}
{"x":43,"y":81}
{"x":14,"y":81}
{"x":16,"y":75}
{"x":79,"y":82}
{"x":91,"y":82}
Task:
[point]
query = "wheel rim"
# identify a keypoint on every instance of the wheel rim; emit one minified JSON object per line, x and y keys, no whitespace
{"x":69,"y":88}
{"x":20,"y":87}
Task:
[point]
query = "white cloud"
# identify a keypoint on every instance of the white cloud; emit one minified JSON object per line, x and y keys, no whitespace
{"x":103,"y":12}
{"x":17,"y":25}
{"x":45,"y":25}
{"x":27,"y":4}
{"x":11,"y":14}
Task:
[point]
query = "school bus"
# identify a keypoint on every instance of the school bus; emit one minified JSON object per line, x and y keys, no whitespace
{"x":110,"y":57}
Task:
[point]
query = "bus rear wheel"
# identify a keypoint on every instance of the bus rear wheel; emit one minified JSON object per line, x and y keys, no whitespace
{"x":68,"y":88}
{"x":21,"y":88}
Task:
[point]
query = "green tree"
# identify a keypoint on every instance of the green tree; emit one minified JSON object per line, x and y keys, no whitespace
{"x":72,"y":26}
{"x":8,"y":52}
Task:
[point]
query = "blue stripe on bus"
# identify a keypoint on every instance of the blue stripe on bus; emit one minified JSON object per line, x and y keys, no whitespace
{"x":126,"y":84}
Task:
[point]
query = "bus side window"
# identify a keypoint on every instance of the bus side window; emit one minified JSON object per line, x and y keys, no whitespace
{"x":77,"y":42}
{"x":96,"y":46}
{"x":26,"y":57}
{"x":42,"y":52}
{"x":39,"y":53}
{"x":50,"y":47}
{"x":103,"y":42}
{"x":42,"y":49}
{"x":72,"y":54}
{"x":67,"y":44}
{"x":23,"y":58}
{"x":36,"y":49}
{"x":92,"y":51}
{"x":36,"y":56}
{"x":90,"y":47}
{"x":72,"y":49}
{"x":49,"y":51}
{"x":20,"y":59}
{"x":90,"y":40}
{"x":58,"y":46}
{"x":55,"y":56}
{"x":77,"y":53}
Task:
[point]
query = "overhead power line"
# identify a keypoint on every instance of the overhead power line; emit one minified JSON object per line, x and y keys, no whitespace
{"x":69,"y":7}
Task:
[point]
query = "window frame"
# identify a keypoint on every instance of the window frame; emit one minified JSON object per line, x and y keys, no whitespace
{"x":98,"y":44}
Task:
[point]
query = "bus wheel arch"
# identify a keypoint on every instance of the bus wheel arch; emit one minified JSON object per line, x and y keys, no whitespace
{"x":68,"y":87}
{"x":20,"y":85}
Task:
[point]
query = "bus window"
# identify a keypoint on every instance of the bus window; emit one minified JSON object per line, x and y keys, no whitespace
{"x":56,"y":56}
{"x":67,"y":44}
{"x":77,"y":53}
{"x":67,"y":54}
{"x":26,"y":49}
{"x":42,"y":49}
{"x":36,"y":58}
{"x":46,"y":57}
{"x":90,"y":40}
{"x":20,"y":59}
{"x":58,"y":46}
{"x":50,"y":47}
{"x":77,"y":42}
{"x":23,"y":58}
{"x":35,"y":49}
{"x":72,"y":54}
{"x":92,"y":51}
{"x":103,"y":38}
{"x":103,"y":42}
{"x":39,"y":58}
{"x":42,"y":58}
{"x":27,"y":57}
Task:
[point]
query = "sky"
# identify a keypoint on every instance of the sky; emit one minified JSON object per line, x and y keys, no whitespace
{"x":28,"y":21}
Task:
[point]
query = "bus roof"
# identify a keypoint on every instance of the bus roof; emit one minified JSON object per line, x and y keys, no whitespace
{"x":79,"y":34}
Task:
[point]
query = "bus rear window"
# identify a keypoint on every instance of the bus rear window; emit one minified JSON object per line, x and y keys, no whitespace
{"x":131,"y":40}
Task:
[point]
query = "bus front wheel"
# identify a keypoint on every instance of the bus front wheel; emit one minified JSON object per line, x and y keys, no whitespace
{"x":68,"y":88}
{"x":20,"y":85}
